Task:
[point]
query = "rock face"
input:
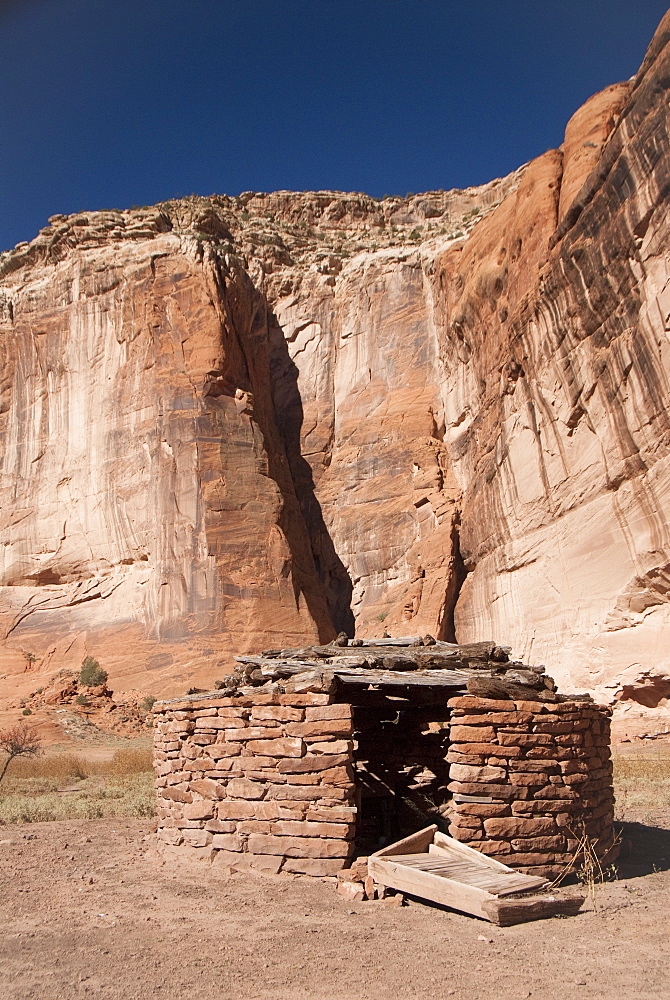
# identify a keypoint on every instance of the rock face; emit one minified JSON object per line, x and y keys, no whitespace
{"x":236,"y":422}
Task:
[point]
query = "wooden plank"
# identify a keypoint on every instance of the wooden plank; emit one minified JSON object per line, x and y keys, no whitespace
{"x":528,"y":882}
{"x":495,"y":882}
{"x":418,"y":841}
{"x":466,"y":898}
{"x":505,"y":913}
{"x":451,"y":679}
{"x":455,"y":846}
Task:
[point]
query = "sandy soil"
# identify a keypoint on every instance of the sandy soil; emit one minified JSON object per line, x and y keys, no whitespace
{"x":88,"y":908}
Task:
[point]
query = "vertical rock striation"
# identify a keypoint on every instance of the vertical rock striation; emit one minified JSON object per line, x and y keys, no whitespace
{"x":236,"y":422}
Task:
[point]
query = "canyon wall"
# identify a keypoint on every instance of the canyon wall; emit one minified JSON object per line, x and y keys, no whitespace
{"x":230,"y":423}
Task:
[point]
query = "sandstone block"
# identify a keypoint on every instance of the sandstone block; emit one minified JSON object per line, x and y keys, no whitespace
{"x":353,"y":891}
{"x":532,"y":807}
{"x":530,"y":780}
{"x":242,"y":788}
{"x":199,"y":810}
{"x":472,"y":734}
{"x":534,"y":707}
{"x":311,"y":762}
{"x":250,"y":733}
{"x":534,"y":844}
{"x":464,"y":821}
{"x":547,"y":766}
{"x":303,"y":793}
{"x":495,"y":719}
{"x":177,"y":795}
{"x":486,"y":749}
{"x":575,"y":779}
{"x":227,"y":842}
{"x":496,"y":791}
{"x":465,"y":835}
{"x":516,"y":826}
{"x":483,"y":704}
{"x":197,"y":838}
{"x":524,"y":739}
{"x":282,"y":747}
{"x":338,"y":727}
{"x":336,"y":814}
{"x":517,"y":859}
{"x":313,"y":866}
{"x":574,"y":767}
{"x":464,"y":772}
{"x":237,"y":809}
{"x":221,"y":751}
{"x":207,"y":788}
{"x":555,"y":792}
{"x":277,"y":713}
{"x":254,"y":826}
{"x":483,"y":809}
{"x":304,"y":828}
{"x":493,"y":847}
{"x":219,"y":826}
{"x":342,"y":710}
{"x":331,"y":746}
{"x":296,"y":847}
{"x":298,"y":700}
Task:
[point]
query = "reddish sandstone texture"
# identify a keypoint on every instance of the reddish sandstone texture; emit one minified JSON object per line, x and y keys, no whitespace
{"x":230,"y":423}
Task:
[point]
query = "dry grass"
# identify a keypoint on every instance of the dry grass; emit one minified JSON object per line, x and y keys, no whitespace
{"x":69,"y":786}
{"x":642,"y":783}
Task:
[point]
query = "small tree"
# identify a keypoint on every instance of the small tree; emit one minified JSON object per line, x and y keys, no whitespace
{"x":19,"y":741}
{"x":91,"y":674}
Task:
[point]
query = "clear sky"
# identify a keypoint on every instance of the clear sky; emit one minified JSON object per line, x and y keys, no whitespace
{"x":113,"y":103}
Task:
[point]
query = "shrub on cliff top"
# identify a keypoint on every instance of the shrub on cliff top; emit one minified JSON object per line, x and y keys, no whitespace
{"x":91,"y":673}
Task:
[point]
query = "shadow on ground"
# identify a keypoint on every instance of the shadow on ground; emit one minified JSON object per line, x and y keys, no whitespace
{"x":644,"y":849}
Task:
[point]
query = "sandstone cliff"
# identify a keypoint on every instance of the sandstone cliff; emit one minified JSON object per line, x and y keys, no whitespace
{"x":238,"y":422}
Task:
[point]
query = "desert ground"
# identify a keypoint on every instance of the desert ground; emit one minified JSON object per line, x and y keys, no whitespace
{"x":89,"y":907}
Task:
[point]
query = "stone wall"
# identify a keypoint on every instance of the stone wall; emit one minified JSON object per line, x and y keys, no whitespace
{"x":263,"y":781}
{"x":530,"y":779}
{"x":270,"y":780}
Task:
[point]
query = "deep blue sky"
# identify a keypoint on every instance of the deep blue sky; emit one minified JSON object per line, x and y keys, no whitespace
{"x":111,"y":103}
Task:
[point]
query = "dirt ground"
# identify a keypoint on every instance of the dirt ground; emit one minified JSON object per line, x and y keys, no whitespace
{"x":87,"y":908}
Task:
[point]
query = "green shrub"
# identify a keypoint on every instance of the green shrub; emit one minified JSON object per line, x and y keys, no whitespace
{"x":81,"y":699}
{"x":27,"y":711}
{"x":91,"y":673}
{"x":148,"y":703}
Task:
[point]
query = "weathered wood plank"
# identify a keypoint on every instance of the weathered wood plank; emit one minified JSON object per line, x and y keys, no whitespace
{"x":436,"y":888}
{"x":417,"y":842}
{"x":506,"y":912}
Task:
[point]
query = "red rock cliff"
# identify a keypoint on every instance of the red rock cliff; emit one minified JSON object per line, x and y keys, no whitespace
{"x":240,"y":422}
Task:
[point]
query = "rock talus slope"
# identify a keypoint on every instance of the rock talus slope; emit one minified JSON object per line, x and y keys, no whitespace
{"x":243,"y":422}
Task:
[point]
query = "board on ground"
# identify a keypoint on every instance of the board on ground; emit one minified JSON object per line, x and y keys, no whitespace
{"x":435,"y":867}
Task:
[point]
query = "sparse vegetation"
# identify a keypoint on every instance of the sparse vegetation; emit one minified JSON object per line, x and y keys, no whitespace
{"x":81,"y":699}
{"x":642,"y":784}
{"x":148,"y":703}
{"x":91,"y":673}
{"x":63,"y":786}
{"x":27,"y":711}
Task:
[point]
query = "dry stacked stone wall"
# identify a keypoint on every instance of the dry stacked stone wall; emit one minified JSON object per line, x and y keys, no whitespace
{"x":263,"y":781}
{"x":530,"y":780}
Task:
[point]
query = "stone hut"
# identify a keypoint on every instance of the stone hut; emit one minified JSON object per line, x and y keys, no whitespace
{"x":305,"y":759}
